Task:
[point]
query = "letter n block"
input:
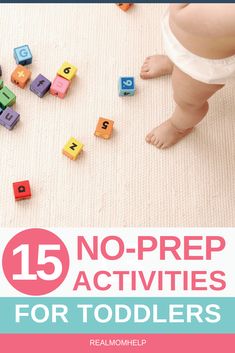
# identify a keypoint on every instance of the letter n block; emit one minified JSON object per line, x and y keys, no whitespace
{"x":72,"y":148}
{"x":22,"y":190}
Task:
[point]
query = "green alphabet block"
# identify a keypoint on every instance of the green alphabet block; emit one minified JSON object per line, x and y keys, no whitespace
{"x":7,"y":98}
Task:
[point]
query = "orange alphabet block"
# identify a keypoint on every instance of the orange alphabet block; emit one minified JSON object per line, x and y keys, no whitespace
{"x":124,"y":6}
{"x":104,"y":128}
{"x":20,"y":76}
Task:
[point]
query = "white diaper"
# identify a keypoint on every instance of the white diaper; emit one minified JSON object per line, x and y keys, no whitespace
{"x":217,"y":71}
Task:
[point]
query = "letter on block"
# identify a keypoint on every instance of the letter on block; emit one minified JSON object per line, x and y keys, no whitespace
{"x":126,"y":86}
{"x":72,"y":148}
{"x":104,"y":128}
{"x":7,"y":98}
{"x":22,"y":190}
{"x":67,"y":71}
{"x":9,"y":118}
{"x":20,"y":76}
{"x":23,"y":55}
{"x":59,"y":87}
{"x":40,"y":85}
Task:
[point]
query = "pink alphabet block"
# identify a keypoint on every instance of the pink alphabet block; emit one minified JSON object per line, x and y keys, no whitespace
{"x":59,"y":87}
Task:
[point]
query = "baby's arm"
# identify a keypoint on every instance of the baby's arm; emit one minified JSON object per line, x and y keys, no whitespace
{"x":205,"y":19}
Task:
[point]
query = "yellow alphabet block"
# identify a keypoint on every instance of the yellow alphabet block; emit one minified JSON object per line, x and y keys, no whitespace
{"x":67,"y":71}
{"x":72,"y":148}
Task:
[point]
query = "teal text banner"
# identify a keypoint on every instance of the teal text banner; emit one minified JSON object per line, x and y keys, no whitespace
{"x":117,"y":315}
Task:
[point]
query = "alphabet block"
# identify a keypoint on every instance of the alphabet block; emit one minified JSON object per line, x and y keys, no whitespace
{"x":124,"y":6}
{"x":104,"y":128}
{"x":59,"y":87}
{"x":40,"y":85}
{"x":67,"y":71}
{"x":22,"y":190}
{"x":23,"y":55}
{"x":20,"y":76}
{"x":7,"y":98}
{"x":9,"y":118}
{"x":126,"y":86}
{"x":72,"y":148}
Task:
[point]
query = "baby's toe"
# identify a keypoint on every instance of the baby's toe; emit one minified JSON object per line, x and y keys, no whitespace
{"x":159,"y":144}
{"x":153,"y":140}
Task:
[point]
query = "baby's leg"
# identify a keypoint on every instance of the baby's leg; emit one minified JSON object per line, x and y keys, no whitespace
{"x":156,"y":66}
{"x":191,"y":106}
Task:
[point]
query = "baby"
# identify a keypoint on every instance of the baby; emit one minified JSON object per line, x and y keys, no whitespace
{"x":199,"y":42}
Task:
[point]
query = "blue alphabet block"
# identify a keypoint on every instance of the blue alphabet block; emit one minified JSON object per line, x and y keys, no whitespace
{"x":126,"y":86}
{"x":9,"y":118}
{"x":23,"y":55}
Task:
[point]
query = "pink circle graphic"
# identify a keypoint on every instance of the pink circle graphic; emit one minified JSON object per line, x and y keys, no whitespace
{"x":35,"y":261}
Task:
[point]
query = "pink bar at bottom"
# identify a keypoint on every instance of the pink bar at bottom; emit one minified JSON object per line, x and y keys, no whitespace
{"x":111,"y":343}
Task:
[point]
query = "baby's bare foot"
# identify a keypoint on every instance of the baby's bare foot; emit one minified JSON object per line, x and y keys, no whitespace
{"x":156,"y":66}
{"x":166,"y":135}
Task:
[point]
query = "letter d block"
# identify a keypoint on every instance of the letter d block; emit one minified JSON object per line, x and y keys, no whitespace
{"x":22,"y":190}
{"x":104,"y":128}
{"x":72,"y":148}
{"x":7,"y":98}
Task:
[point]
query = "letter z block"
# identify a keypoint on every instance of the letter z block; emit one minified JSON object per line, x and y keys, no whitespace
{"x":20,"y":76}
{"x":22,"y":190}
{"x":126,"y":86}
{"x":124,"y":6}
{"x":7,"y":98}
{"x":67,"y":71}
{"x":104,"y":128}
{"x":9,"y":118}
{"x":59,"y":87}
{"x":23,"y":55}
{"x":72,"y":148}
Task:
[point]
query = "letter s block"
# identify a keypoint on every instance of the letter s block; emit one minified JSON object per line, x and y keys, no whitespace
{"x":104,"y":128}
{"x":22,"y":190}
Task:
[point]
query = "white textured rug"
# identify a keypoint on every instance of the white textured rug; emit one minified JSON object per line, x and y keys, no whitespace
{"x":122,"y":181}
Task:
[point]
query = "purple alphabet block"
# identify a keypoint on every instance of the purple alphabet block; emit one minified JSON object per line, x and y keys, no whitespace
{"x":9,"y":118}
{"x":40,"y":86}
